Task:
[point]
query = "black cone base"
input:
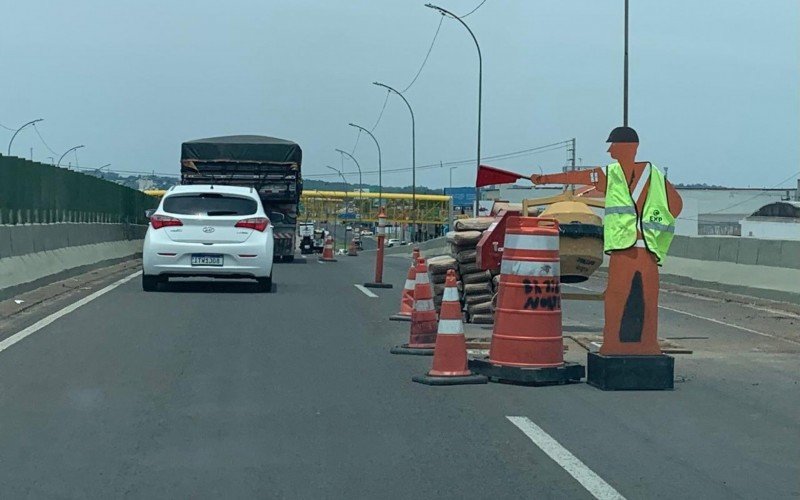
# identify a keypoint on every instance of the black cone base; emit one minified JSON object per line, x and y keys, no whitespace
{"x":569,"y":372}
{"x":399,"y":317}
{"x":458,"y":380}
{"x":378,"y":285}
{"x":631,"y":373}
{"x":404,"y":349}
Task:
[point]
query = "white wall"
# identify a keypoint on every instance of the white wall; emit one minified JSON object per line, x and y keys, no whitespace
{"x":771,"y":230}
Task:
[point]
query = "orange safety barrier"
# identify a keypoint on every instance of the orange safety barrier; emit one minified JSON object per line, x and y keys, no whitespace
{"x":422,"y":337}
{"x":527,"y":344}
{"x":450,"y":354}
{"x":407,"y":299}
{"x":327,"y":251}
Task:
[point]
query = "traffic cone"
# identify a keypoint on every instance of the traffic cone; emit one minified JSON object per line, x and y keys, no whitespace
{"x":407,"y":299}
{"x":351,"y":249}
{"x":415,"y":254}
{"x":527,"y":343}
{"x":450,"y":354}
{"x":327,"y":251}
{"x":422,"y":337}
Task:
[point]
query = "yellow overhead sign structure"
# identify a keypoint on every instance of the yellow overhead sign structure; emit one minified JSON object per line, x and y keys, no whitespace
{"x":321,"y":205}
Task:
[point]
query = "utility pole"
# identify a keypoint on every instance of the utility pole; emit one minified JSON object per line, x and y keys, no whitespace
{"x":625,"y":75}
{"x":31,"y":154}
{"x":571,"y":152}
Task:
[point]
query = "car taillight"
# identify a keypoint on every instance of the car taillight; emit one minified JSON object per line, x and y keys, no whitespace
{"x":159,"y":221}
{"x":257,"y":223}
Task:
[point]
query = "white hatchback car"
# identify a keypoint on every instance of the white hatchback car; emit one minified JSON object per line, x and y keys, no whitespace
{"x":211,"y":231}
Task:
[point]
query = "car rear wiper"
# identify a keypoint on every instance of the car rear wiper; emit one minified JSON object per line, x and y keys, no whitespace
{"x":222,"y":212}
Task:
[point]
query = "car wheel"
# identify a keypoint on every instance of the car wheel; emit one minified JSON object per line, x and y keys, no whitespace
{"x":149,"y":283}
{"x":265,"y":284}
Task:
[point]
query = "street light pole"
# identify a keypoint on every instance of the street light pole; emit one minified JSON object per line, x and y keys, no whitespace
{"x":480,"y":91}
{"x":380,"y":169}
{"x":413,"y":154}
{"x":17,"y":132}
{"x":98,"y":170}
{"x":360,"y":184}
{"x":335,"y":217}
{"x":67,"y":152}
{"x":625,"y":73}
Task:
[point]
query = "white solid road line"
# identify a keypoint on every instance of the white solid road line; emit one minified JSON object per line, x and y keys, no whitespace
{"x":712,"y":320}
{"x":719,"y":322}
{"x":62,"y":312}
{"x":593,"y":483}
{"x":366,"y":292}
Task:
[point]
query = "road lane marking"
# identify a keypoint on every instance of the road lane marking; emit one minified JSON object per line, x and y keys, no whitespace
{"x":719,"y":322}
{"x":593,"y":483}
{"x":366,"y":291}
{"x":712,"y":320}
{"x":20,"y":335}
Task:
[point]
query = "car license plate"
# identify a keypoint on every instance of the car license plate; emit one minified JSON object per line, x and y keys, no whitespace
{"x":202,"y":259}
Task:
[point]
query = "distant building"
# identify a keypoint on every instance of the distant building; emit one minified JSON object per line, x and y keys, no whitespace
{"x":775,"y":221}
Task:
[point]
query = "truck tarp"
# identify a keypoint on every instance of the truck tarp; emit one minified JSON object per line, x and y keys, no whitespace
{"x":242,"y":148}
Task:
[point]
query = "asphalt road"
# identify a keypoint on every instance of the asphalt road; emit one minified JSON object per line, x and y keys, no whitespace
{"x":210,"y":390}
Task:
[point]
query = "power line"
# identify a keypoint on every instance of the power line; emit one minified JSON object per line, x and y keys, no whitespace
{"x":473,"y":10}
{"x":424,"y":61}
{"x":8,"y":128}
{"x":756,"y":196}
{"x":469,"y":161}
{"x":380,"y":115}
{"x":42,"y":139}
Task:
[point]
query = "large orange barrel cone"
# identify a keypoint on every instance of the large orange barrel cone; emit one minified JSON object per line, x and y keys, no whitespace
{"x":422,"y":338}
{"x":407,"y":299}
{"x":351,"y":249}
{"x":450,"y":354}
{"x":327,"y":250}
{"x":527,"y":344}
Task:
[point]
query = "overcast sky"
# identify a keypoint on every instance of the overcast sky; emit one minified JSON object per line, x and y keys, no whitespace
{"x":714,"y":83}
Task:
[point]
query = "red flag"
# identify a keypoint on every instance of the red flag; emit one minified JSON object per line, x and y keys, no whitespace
{"x":489,"y":175}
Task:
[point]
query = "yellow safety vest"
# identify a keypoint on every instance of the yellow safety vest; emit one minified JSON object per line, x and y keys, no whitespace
{"x":622,"y":218}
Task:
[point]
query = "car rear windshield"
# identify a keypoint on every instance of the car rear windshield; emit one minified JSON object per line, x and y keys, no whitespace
{"x":210,"y":204}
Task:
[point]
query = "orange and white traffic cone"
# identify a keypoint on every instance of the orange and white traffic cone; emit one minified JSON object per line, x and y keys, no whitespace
{"x":527,"y":343}
{"x":327,"y":251}
{"x":450,"y":354}
{"x":407,"y":299}
{"x":422,"y":337}
{"x":415,"y":254}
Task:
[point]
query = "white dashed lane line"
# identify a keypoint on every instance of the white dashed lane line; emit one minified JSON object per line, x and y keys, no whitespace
{"x":593,"y":483}
{"x":366,"y":291}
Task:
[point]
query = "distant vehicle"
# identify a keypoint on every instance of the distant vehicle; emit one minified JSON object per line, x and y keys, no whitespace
{"x":319,"y":240}
{"x":270,"y":166}
{"x":403,"y":242}
{"x":306,"y":232}
{"x":348,"y":228}
{"x":392,"y":242}
{"x":209,"y":231}
{"x":366,"y":232}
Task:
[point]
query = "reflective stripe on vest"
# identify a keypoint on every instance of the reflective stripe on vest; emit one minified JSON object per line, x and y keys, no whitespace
{"x":622,"y":220}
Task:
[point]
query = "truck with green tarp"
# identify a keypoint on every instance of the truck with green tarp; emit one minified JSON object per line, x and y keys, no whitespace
{"x":269,"y":165}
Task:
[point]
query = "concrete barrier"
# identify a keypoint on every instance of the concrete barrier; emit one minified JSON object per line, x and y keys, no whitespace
{"x":34,"y":254}
{"x":748,"y":251}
